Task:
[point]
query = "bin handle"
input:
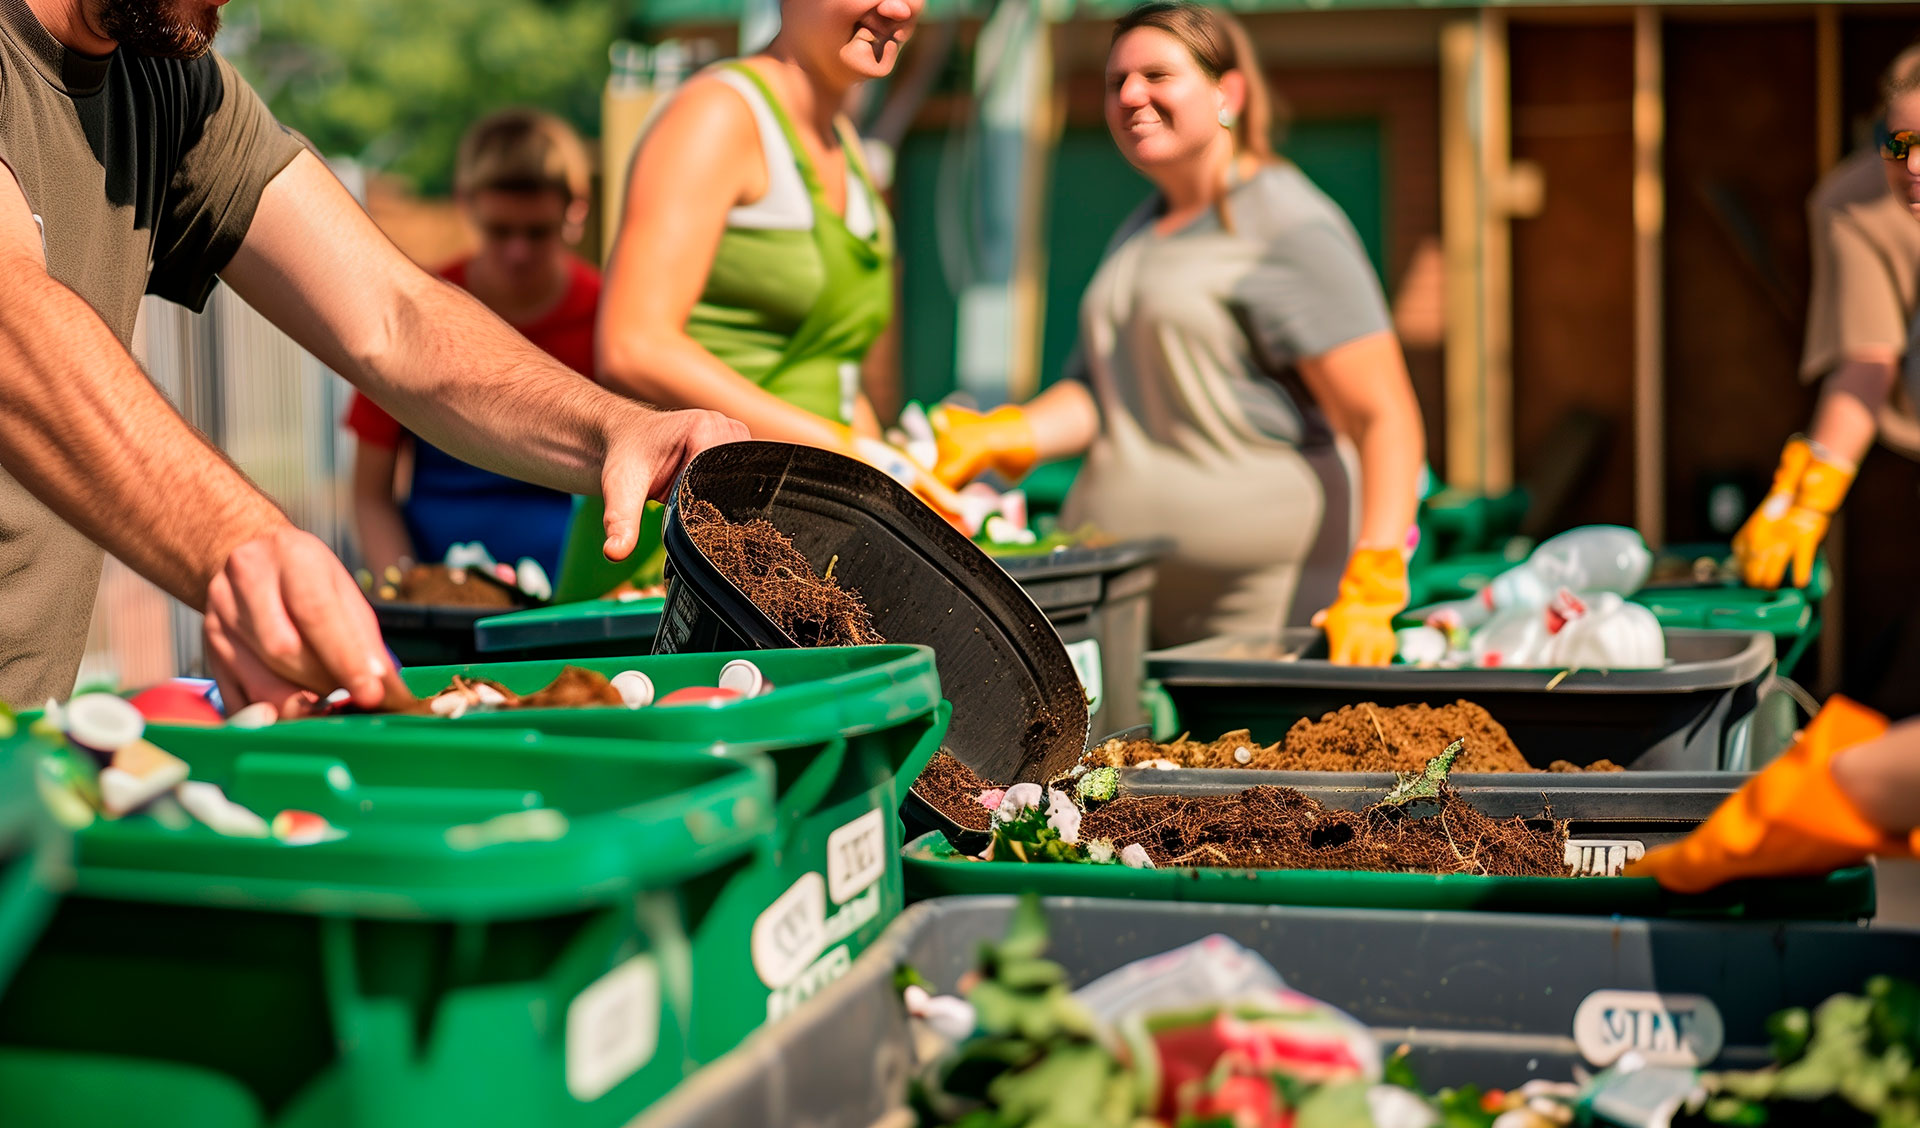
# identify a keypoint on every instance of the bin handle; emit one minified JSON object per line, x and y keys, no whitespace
{"x":814,"y":780}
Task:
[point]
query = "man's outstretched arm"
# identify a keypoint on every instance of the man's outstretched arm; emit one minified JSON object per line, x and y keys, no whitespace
{"x":91,"y":437}
{"x":446,"y":366}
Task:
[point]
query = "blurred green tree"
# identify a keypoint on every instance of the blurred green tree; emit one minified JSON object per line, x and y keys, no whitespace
{"x":394,"y":83}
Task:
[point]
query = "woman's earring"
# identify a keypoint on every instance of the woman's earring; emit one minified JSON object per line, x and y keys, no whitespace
{"x":1226,"y":118}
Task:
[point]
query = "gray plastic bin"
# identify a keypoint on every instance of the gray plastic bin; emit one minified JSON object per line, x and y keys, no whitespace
{"x":1490,"y":999}
{"x":1100,"y":600}
{"x":1689,"y":717}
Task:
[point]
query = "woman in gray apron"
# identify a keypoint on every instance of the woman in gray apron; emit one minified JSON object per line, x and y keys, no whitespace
{"x":1238,"y":386}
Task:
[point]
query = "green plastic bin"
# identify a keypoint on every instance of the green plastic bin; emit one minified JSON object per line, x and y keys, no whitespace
{"x":840,"y":727}
{"x":1458,"y":521}
{"x":933,"y":871}
{"x":594,"y":628}
{"x":35,"y":859}
{"x":411,"y":972}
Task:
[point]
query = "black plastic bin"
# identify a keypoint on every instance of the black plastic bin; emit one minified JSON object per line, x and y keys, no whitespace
{"x":1481,"y":998}
{"x":421,"y":634}
{"x":1684,"y":718}
{"x":1101,"y":602}
{"x":1018,"y":708}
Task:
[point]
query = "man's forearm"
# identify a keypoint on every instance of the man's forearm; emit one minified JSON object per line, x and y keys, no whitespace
{"x":97,"y":443}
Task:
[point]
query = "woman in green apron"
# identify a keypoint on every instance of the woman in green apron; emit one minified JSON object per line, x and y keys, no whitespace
{"x":754,"y":263}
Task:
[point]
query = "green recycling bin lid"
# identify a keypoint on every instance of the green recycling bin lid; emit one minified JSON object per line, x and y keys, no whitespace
{"x":572,"y":624}
{"x":933,"y":871}
{"x":478,"y":825}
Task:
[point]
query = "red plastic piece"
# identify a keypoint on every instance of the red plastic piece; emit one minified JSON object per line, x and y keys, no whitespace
{"x":171,"y":704}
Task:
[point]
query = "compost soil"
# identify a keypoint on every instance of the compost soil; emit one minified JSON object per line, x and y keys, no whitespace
{"x":1279,"y":828}
{"x":1356,"y":738}
{"x":440,"y":586}
{"x":954,"y":790}
{"x":762,"y":562}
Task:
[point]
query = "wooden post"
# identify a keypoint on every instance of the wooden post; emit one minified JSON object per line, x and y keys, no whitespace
{"x":1460,"y":207}
{"x":1649,"y":222}
{"x":1496,"y":255}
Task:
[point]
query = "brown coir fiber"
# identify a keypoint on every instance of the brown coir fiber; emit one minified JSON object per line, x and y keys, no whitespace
{"x":762,"y":562}
{"x":1357,"y":738}
{"x":954,"y":790}
{"x":1279,"y":828}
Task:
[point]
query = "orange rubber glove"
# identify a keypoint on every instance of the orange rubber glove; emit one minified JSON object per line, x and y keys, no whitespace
{"x":901,"y":467}
{"x":971,"y":444}
{"x":1792,"y":819}
{"x":1359,"y":625}
{"x":1790,"y":524}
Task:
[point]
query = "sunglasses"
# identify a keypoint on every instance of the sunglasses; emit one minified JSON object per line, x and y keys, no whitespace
{"x":1895,"y":146}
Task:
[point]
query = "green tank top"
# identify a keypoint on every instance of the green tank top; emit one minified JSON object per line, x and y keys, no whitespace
{"x":796,"y":311}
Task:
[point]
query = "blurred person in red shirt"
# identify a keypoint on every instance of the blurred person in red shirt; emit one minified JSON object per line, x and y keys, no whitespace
{"x":521,"y":182}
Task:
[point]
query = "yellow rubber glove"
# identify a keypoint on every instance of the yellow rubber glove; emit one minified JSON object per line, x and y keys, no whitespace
{"x":971,"y":444}
{"x":1790,"y":820}
{"x":1789,"y":525}
{"x":1359,"y":625}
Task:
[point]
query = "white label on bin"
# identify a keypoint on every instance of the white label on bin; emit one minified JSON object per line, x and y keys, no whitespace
{"x":792,"y":932}
{"x":856,"y":856}
{"x":1683,"y":1031}
{"x":1085,"y":655}
{"x":1602,"y":857}
{"x":613,"y":1027}
{"x":811,"y":982}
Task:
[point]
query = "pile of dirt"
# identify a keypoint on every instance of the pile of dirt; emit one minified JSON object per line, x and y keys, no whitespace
{"x":575,"y":688}
{"x":763,"y":563}
{"x":954,"y":790}
{"x":441,"y":586}
{"x":1357,"y":738}
{"x":1279,"y":828}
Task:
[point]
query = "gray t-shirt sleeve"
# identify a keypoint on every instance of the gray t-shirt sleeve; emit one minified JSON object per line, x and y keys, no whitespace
{"x":1313,"y":291}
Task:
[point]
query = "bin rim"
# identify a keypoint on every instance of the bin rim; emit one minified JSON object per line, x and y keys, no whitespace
{"x":1750,"y":655}
{"x":561,"y":624}
{"x":408,"y":871}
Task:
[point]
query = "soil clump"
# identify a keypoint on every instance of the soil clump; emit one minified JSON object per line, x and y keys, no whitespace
{"x":440,"y":586}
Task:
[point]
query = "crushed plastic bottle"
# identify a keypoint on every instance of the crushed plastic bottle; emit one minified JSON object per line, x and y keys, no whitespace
{"x":1591,"y":558}
{"x":1601,"y":631}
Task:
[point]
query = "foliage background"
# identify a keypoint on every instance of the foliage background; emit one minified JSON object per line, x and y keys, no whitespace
{"x":394,"y":83}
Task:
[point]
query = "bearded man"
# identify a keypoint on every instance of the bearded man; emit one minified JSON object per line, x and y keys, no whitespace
{"x":134,"y":160}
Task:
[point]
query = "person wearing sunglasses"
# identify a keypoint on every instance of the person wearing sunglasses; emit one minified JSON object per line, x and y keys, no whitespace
{"x":522,"y":186}
{"x":1865,"y":218}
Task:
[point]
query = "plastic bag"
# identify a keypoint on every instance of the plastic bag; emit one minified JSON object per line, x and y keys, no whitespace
{"x":1215,"y":1033}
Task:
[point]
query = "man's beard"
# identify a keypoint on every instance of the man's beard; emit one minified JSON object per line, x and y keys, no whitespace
{"x":163,"y":29}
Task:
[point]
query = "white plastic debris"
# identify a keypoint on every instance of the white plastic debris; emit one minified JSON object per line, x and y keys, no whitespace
{"x":449,"y":705}
{"x":744,"y":678}
{"x":488,"y":697}
{"x":634,"y":687}
{"x":1243,"y":755}
{"x":103,"y":722}
{"x":470,"y":555}
{"x":206,"y":802}
{"x":532,"y":579}
{"x":1159,"y":765}
{"x":1134,"y":856}
{"x":258,"y":715}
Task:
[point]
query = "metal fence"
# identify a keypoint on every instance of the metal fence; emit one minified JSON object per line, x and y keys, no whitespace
{"x":275,"y":410}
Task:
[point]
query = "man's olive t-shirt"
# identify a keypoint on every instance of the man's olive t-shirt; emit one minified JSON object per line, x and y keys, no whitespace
{"x":143,"y":175}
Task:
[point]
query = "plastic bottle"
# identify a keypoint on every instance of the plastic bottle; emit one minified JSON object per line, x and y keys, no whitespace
{"x":1601,"y":631}
{"x":1516,"y":637}
{"x":1590,"y":558}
